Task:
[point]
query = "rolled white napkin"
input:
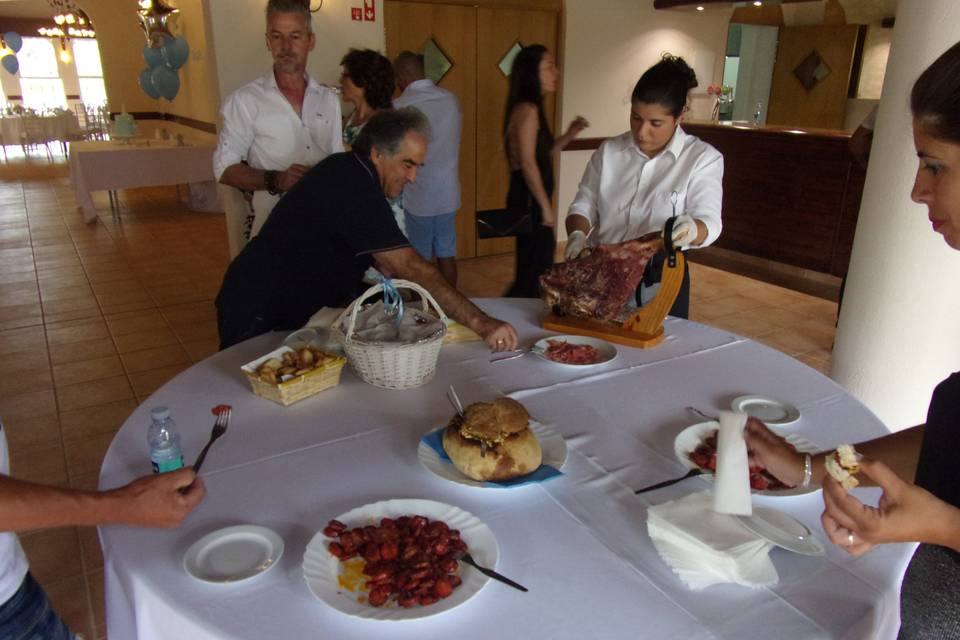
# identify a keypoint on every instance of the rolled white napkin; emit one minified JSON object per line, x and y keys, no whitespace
{"x":704,"y":547}
{"x":731,"y":485}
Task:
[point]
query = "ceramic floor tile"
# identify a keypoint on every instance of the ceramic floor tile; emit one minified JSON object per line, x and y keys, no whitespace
{"x":82,"y":350}
{"x":71,"y":602}
{"x":28,"y":404}
{"x":149,"y":339}
{"x":122,"y":324}
{"x":97,"y":602}
{"x":198,"y":331}
{"x":200,"y":349}
{"x":24,"y":339}
{"x":44,"y":466}
{"x":68,"y":332}
{"x":823,"y":366}
{"x":156,"y":358}
{"x":95,"y":420}
{"x":20,"y":315}
{"x":88,"y":394}
{"x":86,"y":370}
{"x":86,"y":456}
{"x":53,"y":553}
{"x":32,"y":374}
{"x":32,"y":433}
{"x":146,"y":382}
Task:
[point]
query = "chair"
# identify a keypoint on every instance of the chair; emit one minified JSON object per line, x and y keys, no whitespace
{"x":34,"y":134}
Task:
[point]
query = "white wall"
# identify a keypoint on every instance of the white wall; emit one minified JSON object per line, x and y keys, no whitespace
{"x":758,"y":51}
{"x":608,"y":45}
{"x":240,"y":51}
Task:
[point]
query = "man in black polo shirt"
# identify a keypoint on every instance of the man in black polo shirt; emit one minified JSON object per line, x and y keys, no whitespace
{"x":329,"y":229}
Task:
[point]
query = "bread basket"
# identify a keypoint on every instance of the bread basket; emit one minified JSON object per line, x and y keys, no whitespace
{"x":387,"y":365}
{"x":297,"y":388}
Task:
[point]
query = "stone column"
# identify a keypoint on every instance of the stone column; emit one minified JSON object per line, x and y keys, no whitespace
{"x":899,"y":331}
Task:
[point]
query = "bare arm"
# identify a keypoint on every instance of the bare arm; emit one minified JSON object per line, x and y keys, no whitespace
{"x":151,"y":501}
{"x":407,"y":263}
{"x":247,"y":178}
{"x":573,"y":130}
{"x":900,"y":451}
{"x":576,"y":222}
{"x":523,"y":139}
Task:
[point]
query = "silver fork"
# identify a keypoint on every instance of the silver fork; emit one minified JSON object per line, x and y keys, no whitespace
{"x":219,"y":428}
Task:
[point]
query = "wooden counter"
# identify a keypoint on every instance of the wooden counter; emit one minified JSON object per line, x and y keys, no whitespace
{"x":789,"y":194}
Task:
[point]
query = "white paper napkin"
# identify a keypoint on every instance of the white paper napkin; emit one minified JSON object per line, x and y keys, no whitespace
{"x":704,"y":547}
{"x":731,"y":486}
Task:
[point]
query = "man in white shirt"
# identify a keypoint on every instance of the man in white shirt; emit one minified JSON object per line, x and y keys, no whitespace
{"x":430,"y":204}
{"x":278,"y":126}
{"x":162,"y":500}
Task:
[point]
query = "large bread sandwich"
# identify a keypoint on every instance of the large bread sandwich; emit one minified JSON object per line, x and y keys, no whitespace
{"x":493,"y":441}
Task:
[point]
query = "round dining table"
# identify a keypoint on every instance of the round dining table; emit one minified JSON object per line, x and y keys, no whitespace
{"x":577,"y":541}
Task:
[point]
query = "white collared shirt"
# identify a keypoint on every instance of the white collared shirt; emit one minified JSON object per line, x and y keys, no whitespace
{"x":261,"y":127}
{"x":625,"y":194}
{"x":437,"y":189}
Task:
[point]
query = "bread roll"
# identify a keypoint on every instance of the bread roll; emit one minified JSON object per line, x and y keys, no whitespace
{"x":843,"y":464}
{"x":493,"y":441}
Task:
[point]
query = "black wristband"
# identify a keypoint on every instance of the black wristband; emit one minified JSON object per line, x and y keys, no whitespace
{"x":270,"y":182}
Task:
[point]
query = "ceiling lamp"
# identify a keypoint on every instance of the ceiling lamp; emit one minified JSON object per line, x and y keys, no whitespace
{"x":69,"y":21}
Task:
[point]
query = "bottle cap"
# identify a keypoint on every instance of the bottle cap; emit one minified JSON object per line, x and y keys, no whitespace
{"x":160,"y":413}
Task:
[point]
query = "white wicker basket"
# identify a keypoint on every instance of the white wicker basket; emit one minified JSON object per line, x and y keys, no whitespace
{"x":390,"y":366}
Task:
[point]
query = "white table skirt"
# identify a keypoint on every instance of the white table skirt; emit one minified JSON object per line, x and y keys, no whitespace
{"x":107,"y":165}
{"x":55,"y":127}
{"x":578,"y":542}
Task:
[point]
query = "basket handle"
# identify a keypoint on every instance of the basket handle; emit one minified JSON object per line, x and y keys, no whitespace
{"x":354,"y":307}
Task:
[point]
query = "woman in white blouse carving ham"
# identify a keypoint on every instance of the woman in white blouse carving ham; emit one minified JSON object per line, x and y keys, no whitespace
{"x":636,"y":181}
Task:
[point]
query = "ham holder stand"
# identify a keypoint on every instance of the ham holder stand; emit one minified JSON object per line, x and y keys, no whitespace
{"x":644,"y":328}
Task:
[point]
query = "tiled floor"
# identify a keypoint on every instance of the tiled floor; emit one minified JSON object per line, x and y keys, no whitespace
{"x":93,"y":318}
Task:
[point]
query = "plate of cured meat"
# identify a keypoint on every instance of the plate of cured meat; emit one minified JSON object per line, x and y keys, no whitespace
{"x":696,"y":447}
{"x":575,"y":351}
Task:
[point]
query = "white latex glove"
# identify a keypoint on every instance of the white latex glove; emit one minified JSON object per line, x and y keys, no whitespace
{"x":684,"y":232}
{"x":576,"y":242}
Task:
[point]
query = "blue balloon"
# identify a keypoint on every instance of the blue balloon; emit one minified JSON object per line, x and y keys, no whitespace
{"x":146,"y":83}
{"x":166,"y":81}
{"x":152,"y":55}
{"x":10,"y":63}
{"x":175,"y":52}
{"x":13,"y":40}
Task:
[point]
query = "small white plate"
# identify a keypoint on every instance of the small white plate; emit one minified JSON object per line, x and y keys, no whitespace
{"x":552,"y":445}
{"x":770,"y":411}
{"x":782,"y":530}
{"x":605,"y":351}
{"x":233,"y":554}
{"x":691,"y":437}
{"x":322,"y":570}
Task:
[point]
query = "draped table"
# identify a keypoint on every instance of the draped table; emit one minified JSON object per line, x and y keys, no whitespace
{"x":111,"y":164}
{"x":59,"y":126}
{"x":578,"y":541}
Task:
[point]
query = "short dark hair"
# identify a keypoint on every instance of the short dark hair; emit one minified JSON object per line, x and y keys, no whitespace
{"x":386,"y":130}
{"x":935,"y":99}
{"x":409,"y":64}
{"x":666,"y":83}
{"x":372,"y":72}
{"x":292,"y":6}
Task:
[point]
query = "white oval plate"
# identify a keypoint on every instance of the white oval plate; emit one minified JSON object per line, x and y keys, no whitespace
{"x":552,"y":445}
{"x":770,"y":411}
{"x":606,"y":351}
{"x":688,"y":440}
{"x":233,"y":554}
{"x":321,"y":569}
{"x":783,"y":530}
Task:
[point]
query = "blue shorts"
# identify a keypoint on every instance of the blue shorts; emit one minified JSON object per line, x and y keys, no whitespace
{"x":433,"y":236}
{"x":28,"y":615}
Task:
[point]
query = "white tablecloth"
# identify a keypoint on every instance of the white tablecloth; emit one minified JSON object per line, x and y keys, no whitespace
{"x":55,"y":127}
{"x":107,"y":165}
{"x":578,"y":542}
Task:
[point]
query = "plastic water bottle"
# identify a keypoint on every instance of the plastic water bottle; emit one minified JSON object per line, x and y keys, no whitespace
{"x":757,"y":112}
{"x":165,"y":452}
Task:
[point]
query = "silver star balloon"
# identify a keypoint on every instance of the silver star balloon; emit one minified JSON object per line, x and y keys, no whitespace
{"x":157,"y":19}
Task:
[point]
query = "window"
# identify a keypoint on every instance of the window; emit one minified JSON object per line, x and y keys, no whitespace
{"x":39,"y":76}
{"x":86,"y":55}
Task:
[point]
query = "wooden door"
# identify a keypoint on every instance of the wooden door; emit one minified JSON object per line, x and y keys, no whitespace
{"x":409,"y":25}
{"x":498,"y":29}
{"x":824,"y":104}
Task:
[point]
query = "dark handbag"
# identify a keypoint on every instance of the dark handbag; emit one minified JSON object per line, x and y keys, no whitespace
{"x":503,"y":223}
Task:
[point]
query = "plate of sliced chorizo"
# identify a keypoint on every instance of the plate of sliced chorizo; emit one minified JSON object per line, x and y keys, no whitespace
{"x":398,"y":559}
{"x":575,"y":351}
